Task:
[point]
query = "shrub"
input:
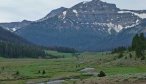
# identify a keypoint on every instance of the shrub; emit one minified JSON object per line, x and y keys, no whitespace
{"x":101,"y":74}
{"x":143,"y":58}
{"x":130,"y":55}
{"x":120,"y":55}
{"x":17,"y":73}
{"x":126,"y":57}
{"x":39,"y":71}
{"x":44,"y":72}
{"x":2,"y":68}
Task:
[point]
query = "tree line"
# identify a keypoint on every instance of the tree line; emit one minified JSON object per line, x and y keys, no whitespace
{"x":138,"y":45}
{"x":62,"y":49}
{"x":13,"y":46}
{"x":14,"y":50}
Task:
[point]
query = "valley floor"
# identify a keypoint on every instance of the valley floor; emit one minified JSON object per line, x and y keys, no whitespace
{"x":124,"y":70}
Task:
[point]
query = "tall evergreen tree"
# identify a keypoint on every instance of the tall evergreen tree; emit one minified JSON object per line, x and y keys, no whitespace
{"x":139,"y":45}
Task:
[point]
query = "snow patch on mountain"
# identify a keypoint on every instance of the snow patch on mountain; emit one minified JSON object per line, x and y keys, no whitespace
{"x":84,"y":2}
{"x":64,"y":21}
{"x":14,"y":29}
{"x":109,"y":30}
{"x":117,"y":27}
{"x":133,"y":25}
{"x":64,"y":14}
{"x":75,"y":11}
{"x":112,"y":26}
{"x":141,"y":15}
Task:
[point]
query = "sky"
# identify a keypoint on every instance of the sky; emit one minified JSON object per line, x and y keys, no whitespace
{"x":18,"y":10}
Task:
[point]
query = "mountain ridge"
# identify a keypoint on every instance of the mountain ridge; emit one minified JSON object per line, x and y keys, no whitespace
{"x":7,"y":36}
{"x":14,"y":26}
{"x":87,"y":26}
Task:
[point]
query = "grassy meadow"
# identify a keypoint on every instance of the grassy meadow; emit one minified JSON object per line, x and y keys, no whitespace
{"x":23,"y":71}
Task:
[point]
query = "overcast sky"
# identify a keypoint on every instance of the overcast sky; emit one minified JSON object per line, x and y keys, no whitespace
{"x":18,"y":10}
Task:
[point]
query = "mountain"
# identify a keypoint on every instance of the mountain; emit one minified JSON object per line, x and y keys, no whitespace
{"x":88,"y":26}
{"x":53,"y":13}
{"x":14,"y":26}
{"x":7,"y":36}
{"x":13,"y":46}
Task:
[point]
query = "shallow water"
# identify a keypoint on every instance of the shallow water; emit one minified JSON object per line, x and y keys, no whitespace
{"x":53,"y":82}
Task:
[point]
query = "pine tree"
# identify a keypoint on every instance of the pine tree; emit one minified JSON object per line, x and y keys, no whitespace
{"x":44,"y":72}
{"x":135,"y":41}
{"x":139,"y":45}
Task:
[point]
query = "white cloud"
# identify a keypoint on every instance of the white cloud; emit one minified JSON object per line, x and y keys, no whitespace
{"x":17,"y":10}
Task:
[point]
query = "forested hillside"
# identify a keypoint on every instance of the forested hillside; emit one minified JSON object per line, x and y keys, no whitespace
{"x":139,"y":45}
{"x":13,"y":46}
{"x":11,"y":37}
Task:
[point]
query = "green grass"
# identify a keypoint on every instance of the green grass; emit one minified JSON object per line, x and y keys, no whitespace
{"x":64,"y":67}
{"x":59,"y":54}
{"x":30,"y":67}
{"x":123,"y":70}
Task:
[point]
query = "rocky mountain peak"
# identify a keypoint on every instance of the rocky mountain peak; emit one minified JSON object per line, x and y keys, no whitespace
{"x":53,"y":13}
{"x":26,"y":21}
{"x":95,"y":6}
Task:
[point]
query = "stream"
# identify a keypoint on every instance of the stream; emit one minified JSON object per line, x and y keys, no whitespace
{"x":54,"y":82}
